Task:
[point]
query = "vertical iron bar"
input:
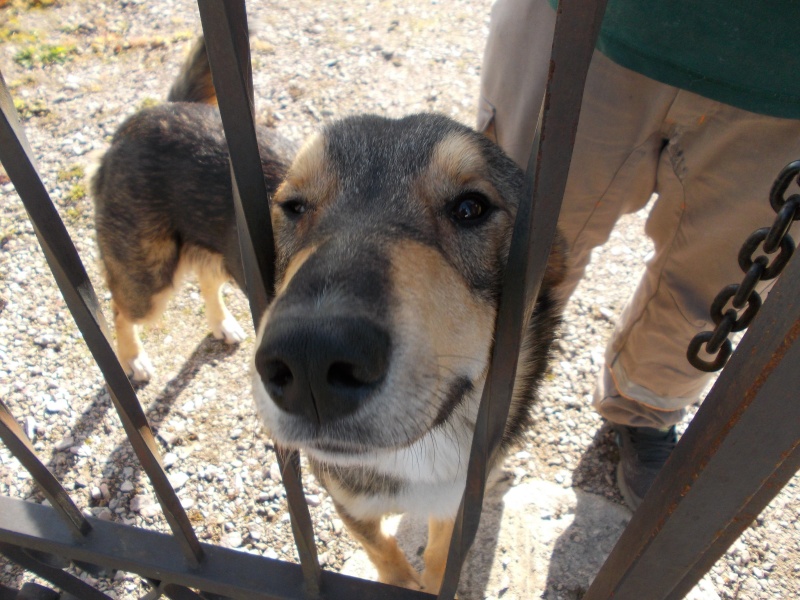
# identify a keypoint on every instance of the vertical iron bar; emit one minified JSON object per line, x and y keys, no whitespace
{"x":80,"y":297}
{"x":740,"y":447}
{"x":20,"y":446}
{"x":577,"y":26}
{"x":227,"y":42}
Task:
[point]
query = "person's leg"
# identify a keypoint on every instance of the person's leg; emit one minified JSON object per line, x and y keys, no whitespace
{"x":713,"y":182}
{"x":619,"y":134}
{"x":514,"y":73}
{"x":714,"y":179}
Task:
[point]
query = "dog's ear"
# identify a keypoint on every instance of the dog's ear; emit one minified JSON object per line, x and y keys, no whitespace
{"x":486,"y":116}
{"x":556,"y":269}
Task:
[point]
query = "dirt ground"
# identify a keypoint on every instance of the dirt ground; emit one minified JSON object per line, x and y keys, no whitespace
{"x":76,"y":69}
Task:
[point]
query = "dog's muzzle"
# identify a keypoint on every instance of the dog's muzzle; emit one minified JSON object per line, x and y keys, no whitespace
{"x":322,"y":368}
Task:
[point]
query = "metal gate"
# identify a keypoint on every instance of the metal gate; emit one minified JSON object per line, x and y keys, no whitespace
{"x":704,"y":498}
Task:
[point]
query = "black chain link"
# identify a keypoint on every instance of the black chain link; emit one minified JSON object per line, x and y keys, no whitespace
{"x":770,"y":239}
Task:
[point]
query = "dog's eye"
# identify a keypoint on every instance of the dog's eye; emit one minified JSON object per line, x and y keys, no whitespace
{"x":469,"y":209}
{"x":293,"y":207}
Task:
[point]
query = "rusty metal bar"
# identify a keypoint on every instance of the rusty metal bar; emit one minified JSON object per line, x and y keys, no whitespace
{"x":7,"y":593}
{"x":577,"y":27}
{"x":72,"y":280}
{"x":59,"y":578}
{"x":734,"y":529}
{"x":29,"y":591}
{"x":178,"y":592}
{"x":741,"y":447}
{"x":153,"y":555}
{"x":20,"y":446}
{"x":226,"y":34}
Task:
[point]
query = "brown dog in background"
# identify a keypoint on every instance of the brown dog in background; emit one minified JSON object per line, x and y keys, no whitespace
{"x":164,"y":207}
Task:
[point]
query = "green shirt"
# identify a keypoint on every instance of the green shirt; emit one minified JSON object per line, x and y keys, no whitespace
{"x":745,"y":53}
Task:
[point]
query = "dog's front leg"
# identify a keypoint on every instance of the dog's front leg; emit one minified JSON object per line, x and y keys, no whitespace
{"x":439,"y":534}
{"x":390,"y":561}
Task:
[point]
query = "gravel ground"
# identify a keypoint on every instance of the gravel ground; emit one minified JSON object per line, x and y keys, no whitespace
{"x":76,"y":70}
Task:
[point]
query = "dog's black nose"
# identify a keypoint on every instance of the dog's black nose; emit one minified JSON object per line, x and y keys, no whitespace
{"x":322,"y":368}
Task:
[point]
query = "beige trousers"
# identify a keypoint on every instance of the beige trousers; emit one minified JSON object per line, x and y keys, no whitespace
{"x":712,"y":166}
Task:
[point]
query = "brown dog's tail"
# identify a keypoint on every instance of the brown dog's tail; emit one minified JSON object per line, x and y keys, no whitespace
{"x":194,"y":83}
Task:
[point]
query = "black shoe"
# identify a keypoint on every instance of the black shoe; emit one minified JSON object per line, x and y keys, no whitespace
{"x":642,"y":453}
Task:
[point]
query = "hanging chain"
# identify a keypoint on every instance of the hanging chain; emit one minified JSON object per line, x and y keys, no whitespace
{"x":741,"y":295}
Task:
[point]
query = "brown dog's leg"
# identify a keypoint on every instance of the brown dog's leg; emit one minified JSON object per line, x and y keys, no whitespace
{"x":130,"y":351}
{"x":439,"y":534}
{"x":392,"y":565}
{"x":222,"y":323}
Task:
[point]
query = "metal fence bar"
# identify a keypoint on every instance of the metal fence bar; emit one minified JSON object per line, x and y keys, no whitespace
{"x":577,"y":26}
{"x":740,"y":448}
{"x":20,"y":446}
{"x":731,"y":533}
{"x":30,"y":591}
{"x":226,"y":33}
{"x":59,"y":578}
{"x":75,"y":286}
{"x":153,"y":555}
{"x":178,"y":592}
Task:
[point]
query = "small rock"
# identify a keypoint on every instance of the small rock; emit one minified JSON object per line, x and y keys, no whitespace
{"x":56,"y":406}
{"x":140,"y":502}
{"x":65,"y":444}
{"x":231,"y":540}
{"x":126,"y":486}
{"x":104,"y":514}
{"x":81,"y":450}
{"x":30,"y":428}
{"x":178,"y":480}
{"x":169,"y":459}
{"x":275,"y":472}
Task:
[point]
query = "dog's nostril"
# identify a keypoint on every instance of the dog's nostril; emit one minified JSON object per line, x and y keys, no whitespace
{"x":344,"y":375}
{"x":280,"y":374}
{"x":276,"y":375}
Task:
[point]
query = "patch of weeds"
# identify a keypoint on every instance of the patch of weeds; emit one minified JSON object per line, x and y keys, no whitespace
{"x":76,"y":193}
{"x":44,"y":55}
{"x":148,"y":102}
{"x":74,"y":172}
{"x":25,"y":81}
{"x":25,"y":57}
{"x":182,"y":36}
{"x":263,"y":47}
{"x":73,"y":214}
{"x":11,"y":31}
{"x":34,"y":108}
{"x":42,"y":3}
